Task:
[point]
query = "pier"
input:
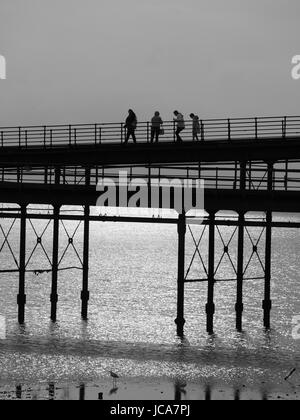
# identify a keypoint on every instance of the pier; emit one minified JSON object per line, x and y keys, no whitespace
{"x":248,"y":165}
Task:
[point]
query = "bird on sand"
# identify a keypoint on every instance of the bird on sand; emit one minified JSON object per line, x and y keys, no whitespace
{"x":114,"y":376}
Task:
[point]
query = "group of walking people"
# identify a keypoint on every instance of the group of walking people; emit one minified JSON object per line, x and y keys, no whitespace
{"x":157,"y":126}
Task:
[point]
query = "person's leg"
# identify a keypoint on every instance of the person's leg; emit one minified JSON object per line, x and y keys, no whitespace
{"x":133,"y":136}
{"x":152,"y":134}
{"x":127,"y":135}
{"x":179,"y":130}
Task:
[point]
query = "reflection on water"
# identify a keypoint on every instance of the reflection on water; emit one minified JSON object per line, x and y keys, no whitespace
{"x":86,"y":392}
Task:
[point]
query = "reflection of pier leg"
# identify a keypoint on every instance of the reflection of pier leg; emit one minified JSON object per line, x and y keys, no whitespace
{"x":19,"y":392}
{"x":85,"y":282}
{"x":237,"y":395}
{"x":208,"y":393}
{"x":177,"y":392}
{"x":180,"y":321}
{"x":82,"y":392}
{"x":22,"y":268}
{"x":239,"y":307}
{"x":210,"y":307}
{"x":51,"y":391}
{"x":267,"y":303}
{"x":54,"y":295}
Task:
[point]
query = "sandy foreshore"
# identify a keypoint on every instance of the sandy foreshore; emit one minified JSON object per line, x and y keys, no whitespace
{"x":151,"y":389}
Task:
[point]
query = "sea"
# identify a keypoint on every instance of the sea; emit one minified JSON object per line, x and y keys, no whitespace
{"x":130,"y":328}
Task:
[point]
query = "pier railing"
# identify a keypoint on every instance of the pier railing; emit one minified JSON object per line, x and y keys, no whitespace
{"x":52,"y":136}
{"x":286,"y":175}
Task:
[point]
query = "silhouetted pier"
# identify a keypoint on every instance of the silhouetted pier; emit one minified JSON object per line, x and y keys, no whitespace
{"x":248,"y":165}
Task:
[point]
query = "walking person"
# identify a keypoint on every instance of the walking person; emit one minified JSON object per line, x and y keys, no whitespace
{"x":156,"y":124}
{"x":131,"y":125}
{"x":196,"y":126}
{"x":180,"y":125}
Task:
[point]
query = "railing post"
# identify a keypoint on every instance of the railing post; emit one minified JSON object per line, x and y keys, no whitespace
{"x":57,"y":176}
{"x":229,"y":129}
{"x":174,"y":131}
{"x":45,"y":135}
{"x":20,"y":137}
{"x":256,"y":129}
{"x":96,"y":133}
{"x":148,"y":132}
{"x":284,"y":125}
{"x":202,"y":131}
{"x":70,"y":135}
{"x":75,"y":137}
{"x":122,"y":133}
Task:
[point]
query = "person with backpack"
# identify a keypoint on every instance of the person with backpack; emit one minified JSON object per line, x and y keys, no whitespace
{"x":196,"y":126}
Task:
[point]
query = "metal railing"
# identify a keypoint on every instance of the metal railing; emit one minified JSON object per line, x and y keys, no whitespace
{"x":286,"y":176}
{"x":54,"y":136}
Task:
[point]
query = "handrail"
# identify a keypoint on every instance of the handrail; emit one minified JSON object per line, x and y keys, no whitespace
{"x":52,"y":136}
{"x":215,"y":177}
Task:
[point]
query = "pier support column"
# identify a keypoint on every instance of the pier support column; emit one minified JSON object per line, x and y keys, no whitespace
{"x":54,"y":295}
{"x":239,"y":307}
{"x":267,"y":302}
{"x":85,"y":295}
{"x":22,"y":268}
{"x":180,"y":321}
{"x":210,"y":306}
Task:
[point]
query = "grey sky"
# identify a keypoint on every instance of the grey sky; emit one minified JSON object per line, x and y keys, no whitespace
{"x":90,"y":60}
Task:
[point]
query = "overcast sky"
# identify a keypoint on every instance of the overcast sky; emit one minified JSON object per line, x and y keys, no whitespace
{"x":90,"y":60}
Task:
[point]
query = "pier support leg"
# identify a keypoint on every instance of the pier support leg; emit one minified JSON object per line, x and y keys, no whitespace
{"x":85,"y":295}
{"x":54,"y":295}
{"x":180,"y":321}
{"x":210,"y":306}
{"x":267,"y":302}
{"x":22,"y":268}
{"x":239,"y":307}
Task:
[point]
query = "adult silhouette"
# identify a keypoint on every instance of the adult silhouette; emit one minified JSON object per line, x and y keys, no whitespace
{"x":156,"y":124}
{"x":130,"y":125}
{"x":180,"y":125}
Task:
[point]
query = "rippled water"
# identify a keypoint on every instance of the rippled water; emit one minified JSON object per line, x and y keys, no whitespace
{"x":133,"y":306}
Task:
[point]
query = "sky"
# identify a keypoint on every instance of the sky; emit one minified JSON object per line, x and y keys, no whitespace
{"x":86,"y":61}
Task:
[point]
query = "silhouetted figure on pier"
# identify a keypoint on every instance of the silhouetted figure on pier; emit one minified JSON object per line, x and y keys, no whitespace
{"x":180,"y":125}
{"x":130,"y":125}
{"x":156,"y":124}
{"x":196,"y":126}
